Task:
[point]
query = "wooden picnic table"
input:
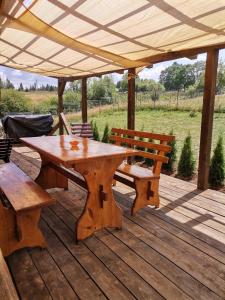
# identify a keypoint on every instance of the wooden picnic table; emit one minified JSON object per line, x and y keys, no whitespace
{"x":96,"y":162}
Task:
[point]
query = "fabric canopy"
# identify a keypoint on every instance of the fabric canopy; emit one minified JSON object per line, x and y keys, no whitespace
{"x":64,"y":38}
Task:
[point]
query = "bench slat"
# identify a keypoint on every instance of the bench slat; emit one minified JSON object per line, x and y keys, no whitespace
{"x":136,"y":172}
{"x":143,"y":144}
{"x":144,"y":134}
{"x":22,"y":192}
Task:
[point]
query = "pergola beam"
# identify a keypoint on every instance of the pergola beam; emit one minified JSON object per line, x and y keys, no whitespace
{"x":61,"y":88}
{"x":207,"y":118}
{"x":84,"y":100}
{"x":131,"y":99}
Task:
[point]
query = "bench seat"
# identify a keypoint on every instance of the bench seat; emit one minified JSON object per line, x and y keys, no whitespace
{"x":21,"y":200}
{"x":136,"y":172}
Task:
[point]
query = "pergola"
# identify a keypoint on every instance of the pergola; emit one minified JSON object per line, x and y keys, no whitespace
{"x":78,"y":39}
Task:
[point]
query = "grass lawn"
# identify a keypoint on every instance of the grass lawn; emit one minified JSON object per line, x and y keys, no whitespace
{"x":161,"y":121}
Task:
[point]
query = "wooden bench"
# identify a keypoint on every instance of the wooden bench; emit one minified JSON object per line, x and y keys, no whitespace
{"x":78,"y":129}
{"x":7,"y":288}
{"x":5,"y":149}
{"x":143,"y":180}
{"x":21,"y":200}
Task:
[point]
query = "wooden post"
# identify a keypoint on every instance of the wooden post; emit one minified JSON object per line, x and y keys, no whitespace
{"x":207,"y":118}
{"x":84,"y":100}
{"x":131,"y":99}
{"x":61,"y":87}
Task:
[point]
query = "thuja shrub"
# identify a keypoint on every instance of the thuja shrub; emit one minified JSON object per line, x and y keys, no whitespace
{"x":186,"y":165}
{"x":216,"y":171}
{"x":150,"y":162}
{"x":172,"y":156}
{"x":96,"y":135}
{"x":106,"y":134}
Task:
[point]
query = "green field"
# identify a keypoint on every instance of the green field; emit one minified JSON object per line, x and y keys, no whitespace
{"x":161,"y":121}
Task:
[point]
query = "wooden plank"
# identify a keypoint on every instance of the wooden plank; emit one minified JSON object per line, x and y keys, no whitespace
{"x":129,"y":278}
{"x":183,"y":256}
{"x":22,"y":192}
{"x":148,"y":273}
{"x":84,"y":287}
{"x":136,"y":172}
{"x":207,"y":118}
{"x":131,"y":99}
{"x":65,"y":123}
{"x":144,"y":134}
{"x":57,"y":284}
{"x":139,"y":143}
{"x":26,"y":277}
{"x":7,"y":288}
{"x":61,"y":87}
{"x":170,"y":270}
{"x":108,"y":283}
{"x":84,"y":100}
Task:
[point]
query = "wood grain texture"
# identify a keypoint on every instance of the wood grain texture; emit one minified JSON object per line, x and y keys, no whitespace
{"x":175,"y":252}
{"x":207,"y":118}
{"x":7,"y":288}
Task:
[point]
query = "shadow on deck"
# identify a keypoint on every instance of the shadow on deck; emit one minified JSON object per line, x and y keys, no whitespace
{"x":175,"y":252}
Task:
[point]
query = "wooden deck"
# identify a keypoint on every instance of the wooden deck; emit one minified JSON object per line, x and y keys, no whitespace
{"x":175,"y":252}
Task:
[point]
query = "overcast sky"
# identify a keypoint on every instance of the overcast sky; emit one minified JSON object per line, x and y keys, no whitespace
{"x":27,"y":79}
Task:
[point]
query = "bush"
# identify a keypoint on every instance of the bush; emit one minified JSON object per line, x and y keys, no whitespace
{"x":150,"y":162}
{"x":105,"y":138}
{"x":216,"y":171}
{"x":14,"y":101}
{"x":186,"y":165}
{"x":96,"y":135}
{"x":172,"y":155}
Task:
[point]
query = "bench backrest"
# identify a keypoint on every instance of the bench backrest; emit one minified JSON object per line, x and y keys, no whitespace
{"x":79,"y":129}
{"x":82,"y":129}
{"x":5,"y":149}
{"x":145,"y":141}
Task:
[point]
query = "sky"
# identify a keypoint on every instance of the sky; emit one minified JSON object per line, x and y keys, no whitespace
{"x":27,"y":79}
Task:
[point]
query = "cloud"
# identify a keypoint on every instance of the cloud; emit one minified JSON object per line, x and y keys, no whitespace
{"x":17,"y":73}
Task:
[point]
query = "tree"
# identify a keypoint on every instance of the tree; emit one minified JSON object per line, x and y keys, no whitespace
{"x":177,"y":77}
{"x":8,"y":84}
{"x":102,"y":89}
{"x":172,"y":156}
{"x":186,"y":165}
{"x":220,"y":83}
{"x":20,"y":87}
{"x":106,"y":133}
{"x":216,"y":170}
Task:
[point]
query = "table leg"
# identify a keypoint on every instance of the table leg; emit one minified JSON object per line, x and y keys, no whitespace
{"x":100,"y":210}
{"x":49,"y":178}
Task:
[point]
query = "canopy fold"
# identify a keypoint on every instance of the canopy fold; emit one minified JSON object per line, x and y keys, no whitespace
{"x":78,"y":38}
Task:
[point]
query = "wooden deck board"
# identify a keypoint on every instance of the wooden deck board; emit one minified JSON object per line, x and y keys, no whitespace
{"x":175,"y":252}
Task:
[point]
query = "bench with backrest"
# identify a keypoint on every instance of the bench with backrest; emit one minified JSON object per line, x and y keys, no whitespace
{"x":21,"y":200}
{"x":78,"y":129}
{"x":145,"y":181}
{"x":7,"y":288}
{"x":5,"y":149}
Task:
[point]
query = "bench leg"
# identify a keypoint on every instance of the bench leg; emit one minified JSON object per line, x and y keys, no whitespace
{"x":49,"y":178}
{"x":147,"y":193}
{"x":19,"y":231}
{"x":100,"y":210}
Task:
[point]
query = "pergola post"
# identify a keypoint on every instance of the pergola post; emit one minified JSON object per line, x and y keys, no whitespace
{"x":84,"y":100}
{"x":131,"y":99}
{"x":207,"y":118}
{"x":61,"y":87}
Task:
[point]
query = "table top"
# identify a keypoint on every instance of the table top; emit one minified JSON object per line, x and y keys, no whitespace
{"x":68,"y":150}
